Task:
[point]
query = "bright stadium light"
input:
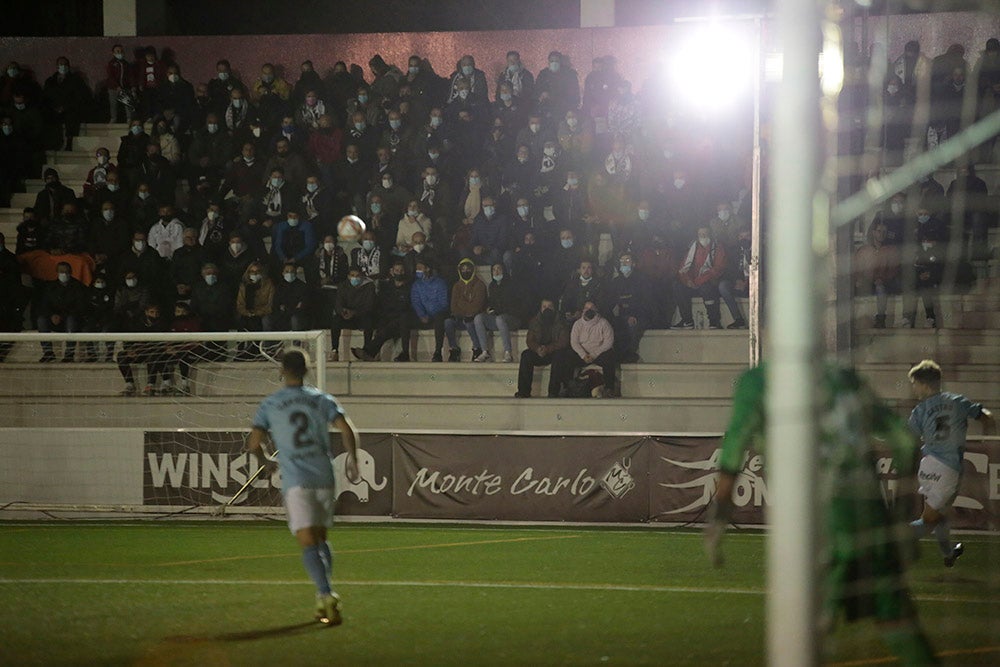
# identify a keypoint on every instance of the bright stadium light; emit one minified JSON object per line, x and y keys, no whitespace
{"x":708,"y":70}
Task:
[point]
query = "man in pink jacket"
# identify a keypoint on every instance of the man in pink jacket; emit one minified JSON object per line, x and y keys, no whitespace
{"x":591,"y":341}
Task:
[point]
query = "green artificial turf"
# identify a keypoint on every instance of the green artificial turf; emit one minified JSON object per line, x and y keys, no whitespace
{"x":235,"y":593}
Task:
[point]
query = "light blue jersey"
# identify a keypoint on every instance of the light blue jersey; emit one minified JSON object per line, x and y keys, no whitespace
{"x":942,"y":421}
{"x":299,"y":420}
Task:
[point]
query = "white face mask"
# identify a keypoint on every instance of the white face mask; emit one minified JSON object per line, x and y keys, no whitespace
{"x":489,"y":211}
{"x":549,"y":151}
{"x":926,"y":245}
{"x":896,"y":208}
{"x":436,"y":121}
{"x":277,"y":182}
{"x":289,"y":277}
{"x":139,"y":245}
{"x":312,"y":187}
{"x":329,"y":246}
{"x":418,"y":247}
{"x":293,"y":222}
{"x":112,"y":187}
{"x":387,"y":183}
{"x":237,"y":103}
{"x":643,"y":214}
{"x":131,"y":282}
{"x":212,"y":128}
{"x":108,"y":214}
{"x":173,"y":78}
{"x":102,"y":160}
{"x":223,"y":76}
{"x":212,"y":215}
{"x":679,"y":183}
{"x":433,"y":156}
{"x":255,"y":132}
{"x":255,"y":277}
{"x":143,"y":194}
{"x":572,"y":182}
{"x":704,"y":241}
{"x":367,"y":244}
{"x":431,"y":179}
{"x":566,"y":243}
{"x":505,"y":97}
{"x":64,"y":278}
{"x":724,"y":215}
{"x":522,"y":211}
{"x":554,"y":66}
{"x":211,"y":279}
{"x":572,"y":122}
{"x":412,"y":212}
{"x":236,"y":247}
{"x":535,"y":127}
{"x":892,"y":90}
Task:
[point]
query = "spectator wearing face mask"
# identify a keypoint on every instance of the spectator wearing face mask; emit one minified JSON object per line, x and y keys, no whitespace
{"x":185,"y":266}
{"x":557,"y":87}
{"x":146,"y":263}
{"x":584,"y":286}
{"x":429,"y":301}
{"x":385,"y":186}
{"x":236,"y":260}
{"x":245,"y":177}
{"x":221,"y":87}
{"x":699,"y":275}
{"x":928,"y":267}
{"x":569,"y":204}
{"x":18,"y":81}
{"x":412,"y":222}
{"x":153,"y":354}
{"x":100,"y":318}
{"x":294,"y":242}
{"x":109,"y":238}
{"x":361,"y":109}
{"x":239,"y":113}
{"x":393,"y":316}
{"x":143,"y":209}
{"x":535,"y":135}
{"x":436,"y":200}
{"x":893,"y":216}
{"x":474,"y":80}
{"x":210,"y":151}
{"x":254,"y":302}
{"x":290,"y":311}
{"x":131,"y":299}
{"x":62,"y":309}
{"x":162,"y":133}
{"x":309,"y":80}
{"x":468,"y":299}
{"x":576,"y":138}
{"x":877,"y":270}
{"x":490,"y":242}
{"x":547,"y":336}
{"x":513,"y":111}
{"x":592,"y":340}
{"x":131,"y":151}
{"x":177,"y":93}
{"x":354,"y":309}
{"x":213,"y":232}
{"x":420,"y":251}
{"x":151,"y":74}
{"x":559,"y":265}
{"x":279,"y":198}
{"x":628,"y":303}
{"x":317,"y":206}
{"x":67,"y":232}
{"x":292,"y":165}
{"x":368,"y":256}
{"x":501,"y":303}
{"x":17,"y":161}
{"x":520,"y":81}
{"x":212,"y":302}
{"x":66,"y":97}
{"x":155,"y":171}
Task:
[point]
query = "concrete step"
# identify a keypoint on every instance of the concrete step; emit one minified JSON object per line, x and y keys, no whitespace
{"x":103,"y":129}
{"x":977,"y":310}
{"x":980,"y":383}
{"x":468,"y":415}
{"x":36,"y":185}
{"x":63,"y":158}
{"x":72,"y":172}
{"x":657,"y":347}
{"x":908,"y":346}
{"x":88,"y":145}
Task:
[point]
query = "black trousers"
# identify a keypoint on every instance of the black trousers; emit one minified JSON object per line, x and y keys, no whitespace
{"x":566,"y":361}
{"x":526,"y":372}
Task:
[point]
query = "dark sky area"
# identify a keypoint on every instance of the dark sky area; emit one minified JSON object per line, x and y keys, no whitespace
{"x":255,"y":17}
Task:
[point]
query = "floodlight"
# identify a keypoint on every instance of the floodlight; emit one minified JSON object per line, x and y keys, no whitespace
{"x":712,"y":67}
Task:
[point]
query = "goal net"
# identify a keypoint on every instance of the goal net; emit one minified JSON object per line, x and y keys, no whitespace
{"x":140,"y":423}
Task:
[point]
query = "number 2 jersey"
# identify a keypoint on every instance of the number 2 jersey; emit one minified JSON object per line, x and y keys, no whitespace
{"x":298,"y":419}
{"x":942,"y":421}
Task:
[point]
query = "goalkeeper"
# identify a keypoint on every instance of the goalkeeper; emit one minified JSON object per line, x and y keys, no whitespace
{"x":864,"y":540}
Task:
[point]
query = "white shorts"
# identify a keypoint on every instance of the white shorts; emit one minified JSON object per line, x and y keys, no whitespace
{"x":307,"y":508}
{"x":938,"y":483}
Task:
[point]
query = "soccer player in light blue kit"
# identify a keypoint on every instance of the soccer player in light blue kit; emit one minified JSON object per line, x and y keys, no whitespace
{"x":298,"y":418}
{"x":941,"y":421}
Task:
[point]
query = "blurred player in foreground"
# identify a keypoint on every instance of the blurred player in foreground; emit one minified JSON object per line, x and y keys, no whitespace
{"x":298,"y":418}
{"x":863,"y":539}
{"x":941,"y":420}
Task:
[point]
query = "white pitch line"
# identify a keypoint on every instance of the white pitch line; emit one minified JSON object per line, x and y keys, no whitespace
{"x":548,"y":586}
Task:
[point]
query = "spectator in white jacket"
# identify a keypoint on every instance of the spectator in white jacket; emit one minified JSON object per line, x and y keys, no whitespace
{"x":592,"y":341}
{"x":167,"y":234}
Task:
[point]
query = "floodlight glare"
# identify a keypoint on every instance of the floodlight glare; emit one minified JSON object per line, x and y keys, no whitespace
{"x":712,"y":67}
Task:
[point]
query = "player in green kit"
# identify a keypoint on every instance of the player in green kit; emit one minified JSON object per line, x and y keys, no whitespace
{"x":298,"y":418}
{"x":862,"y":537}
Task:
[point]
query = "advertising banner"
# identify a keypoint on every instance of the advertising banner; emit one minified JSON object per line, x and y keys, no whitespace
{"x":185,"y":468}
{"x":520,"y":478}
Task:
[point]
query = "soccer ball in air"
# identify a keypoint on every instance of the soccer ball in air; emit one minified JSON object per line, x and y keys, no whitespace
{"x":350,"y":228}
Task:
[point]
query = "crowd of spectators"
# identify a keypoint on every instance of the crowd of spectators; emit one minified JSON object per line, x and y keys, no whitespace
{"x":594,"y":213}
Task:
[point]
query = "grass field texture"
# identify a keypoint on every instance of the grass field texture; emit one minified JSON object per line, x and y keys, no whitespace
{"x":235,"y":593}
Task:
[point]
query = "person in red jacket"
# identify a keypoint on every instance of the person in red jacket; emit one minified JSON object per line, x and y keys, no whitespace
{"x":699,"y":275}
{"x":120,"y":82}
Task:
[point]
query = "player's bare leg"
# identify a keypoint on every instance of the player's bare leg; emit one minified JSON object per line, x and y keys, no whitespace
{"x":317,"y":561}
{"x":932,"y":520}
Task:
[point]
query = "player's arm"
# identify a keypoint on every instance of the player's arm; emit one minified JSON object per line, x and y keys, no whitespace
{"x":988,"y":421}
{"x":255,"y":441}
{"x":349,"y":438}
